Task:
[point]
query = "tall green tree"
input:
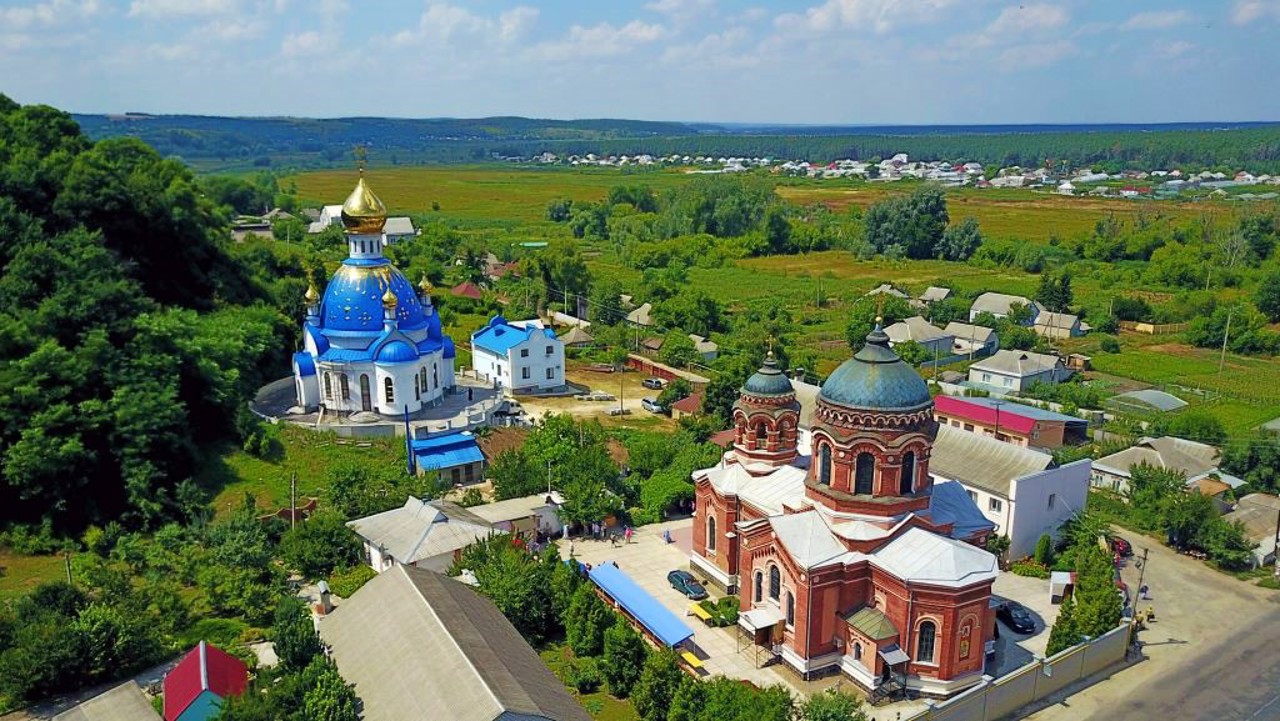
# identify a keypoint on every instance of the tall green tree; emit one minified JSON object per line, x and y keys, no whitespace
{"x":586,"y":621}
{"x":294,"y":636}
{"x":624,"y":657}
{"x":329,"y":697}
{"x":832,"y":705}
{"x":659,"y":680}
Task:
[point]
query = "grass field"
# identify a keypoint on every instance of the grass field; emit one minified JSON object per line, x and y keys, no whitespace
{"x":20,"y":573}
{"x":599,"y":704}
{"x":231,"y":473}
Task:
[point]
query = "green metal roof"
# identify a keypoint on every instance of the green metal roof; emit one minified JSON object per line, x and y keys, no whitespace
{"x":872,"y":623}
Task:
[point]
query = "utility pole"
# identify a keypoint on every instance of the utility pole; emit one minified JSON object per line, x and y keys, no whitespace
{"x":548,"y":476}
{"x":66,"y":557}
{"x":997,"y":404}
{"x":293,"y":501}
{"x":1276,"y":548}
{"x":1222,"y":359}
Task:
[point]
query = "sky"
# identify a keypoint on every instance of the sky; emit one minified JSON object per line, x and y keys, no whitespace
{"x":763,"y":61}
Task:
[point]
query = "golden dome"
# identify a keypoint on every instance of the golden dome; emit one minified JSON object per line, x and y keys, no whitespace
{"x":389,"y":300}
{"x":424,"y":285}
{"x":312,"y":294}
{"x":362,"y":212}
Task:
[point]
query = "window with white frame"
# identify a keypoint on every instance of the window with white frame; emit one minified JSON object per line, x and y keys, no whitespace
{"x":524,"y":373}
{"x":995,"y":505}
{"x":551,"y":373}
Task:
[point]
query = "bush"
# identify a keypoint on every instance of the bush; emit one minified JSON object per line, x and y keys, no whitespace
{"x":320,"y":544}
{"x":583,"y":674}
{"x":1029,"y":568}
{"x":724,"y":612}
{"x":1110,"y":345}
{"x":346,"y":581}
{"x":220,"y":632}
{"x":1044,"y":550}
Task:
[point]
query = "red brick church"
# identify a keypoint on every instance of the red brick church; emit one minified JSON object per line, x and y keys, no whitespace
{"x":843,"y":557}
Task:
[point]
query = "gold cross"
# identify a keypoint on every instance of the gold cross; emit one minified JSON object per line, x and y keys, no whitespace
{"x":770,"y":342}
{"x":880,"y":307}
{"x":361,"y":153}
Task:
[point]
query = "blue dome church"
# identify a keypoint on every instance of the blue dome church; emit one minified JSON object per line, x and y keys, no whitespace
{"x":372,"y":343}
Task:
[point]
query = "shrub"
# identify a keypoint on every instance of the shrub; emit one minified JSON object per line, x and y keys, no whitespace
{"x":724,"y":612}
{"x":1044,"y":550}
{"x":346,"y":581}
{"x":1110,"y":345}
{"x":1029,"y":568}
{"x":220,"y":632}
{"x":583,"y":674}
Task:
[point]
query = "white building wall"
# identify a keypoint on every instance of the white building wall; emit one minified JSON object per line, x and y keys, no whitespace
{"x":402,"y":379}
{"x":524,"y":371}
{"x":490,"y":366}
{"x":308,"y":389}
{"x":1031,"y":515}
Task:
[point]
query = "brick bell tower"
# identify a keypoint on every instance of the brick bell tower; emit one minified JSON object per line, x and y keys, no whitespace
{"x":766,"y":417}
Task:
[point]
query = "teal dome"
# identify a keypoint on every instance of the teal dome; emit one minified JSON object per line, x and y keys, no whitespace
{"x":875,"y":378}
{"x":768,"y":381}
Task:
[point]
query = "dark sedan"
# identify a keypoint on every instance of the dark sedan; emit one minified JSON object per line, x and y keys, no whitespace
{"x":1016,"y":617}
{"x":685,"y":583}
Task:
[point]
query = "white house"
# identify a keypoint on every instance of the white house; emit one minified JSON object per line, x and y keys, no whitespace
{"x":1057,"y":325}
{"x":1017,"y":370}
{"x":539,"y":513}
{"x":519,"y":357}
{"x":999,"y":305}
{"x":933,"y":339}
{"x":1021,"y":490}
{"x":972,"y":339}
{"x":1194,"y":460}
{"x":426,"y":534}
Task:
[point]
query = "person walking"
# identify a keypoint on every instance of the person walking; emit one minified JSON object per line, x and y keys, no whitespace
{"x":627,"y":534}
{"x":570,"y":548}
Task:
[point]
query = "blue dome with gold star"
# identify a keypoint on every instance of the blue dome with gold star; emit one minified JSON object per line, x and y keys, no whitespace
{"x":353,"y":300}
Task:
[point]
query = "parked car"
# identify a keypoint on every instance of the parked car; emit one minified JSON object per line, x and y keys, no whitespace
{"x":685,"y":583}
{"x":651,"y":405}
{"x":656,"y":384}
{"x":1016,"y":617}
{"x":1122,"y":547}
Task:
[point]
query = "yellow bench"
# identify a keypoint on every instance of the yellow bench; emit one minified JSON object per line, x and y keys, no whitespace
{"x":700,"y":612}
{"x":693,"y":661}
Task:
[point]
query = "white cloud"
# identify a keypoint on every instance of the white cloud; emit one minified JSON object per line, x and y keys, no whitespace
{"x":878,"y":15}
{"x":1175,"y":49}
{"x":728,"y":49}
{"x":681,"y":13}
{"x":46,"y":14}
{"x":1156,"y":20}
{"x":166,"y":9}
{"x":231,"y":29}
{"x":441,"y":23}
{"x":602,"y":40}
{"x":1027,"y":18}
{"x":1247,"y":11}
{"x":1035,"y":55}
{"x":514,"y":23}
{"x":311,"y":42}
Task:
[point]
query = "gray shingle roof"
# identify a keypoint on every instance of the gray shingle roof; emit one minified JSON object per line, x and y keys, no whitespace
{"x":970,"y":332}
{"x":982,"y":461}
{"x":419,"y":529}
{"x":1018,"y":363}
{"x":1177,"y":454}
{"x":122,"y":703}
{"x":914,"y":328}
{"x":997,"y":303}
{"x":419,"y":645}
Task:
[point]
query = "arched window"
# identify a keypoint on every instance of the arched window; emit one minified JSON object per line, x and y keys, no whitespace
{"x":366,"y":396}
{"x":711,"y":534}
{"x":422,"y":378}
{"x":791,"y":610}
{"x":388,"y":390}
{"x":824,"y":465}
{"x":759,"y":590}
{"x":857,"y":651}
{"x":328,"y":387}
{"x":346,"y":386}
{"x":925,"y":638}
{"x":864,"y":474}
{"x":775,"y":582}
{"x":435,"y":376}
{"x":417,"y":392}
{"x":908,"y":482}
{"x":762,"y":434}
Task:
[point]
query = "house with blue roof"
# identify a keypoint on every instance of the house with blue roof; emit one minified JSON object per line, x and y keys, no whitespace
{"x":518,"y":357}
{"x":455,"y":456}
{"x":372,"y":344}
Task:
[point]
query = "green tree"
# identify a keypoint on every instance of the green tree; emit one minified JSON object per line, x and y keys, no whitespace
{"x":1065,"y":632}
{"x":678,"y":350}
{"x":659,"y":681}
{"x":559,"y":210}
{"x":675,"y":391}
{"x":833,"y":705}
{"x":863,"y":317}
{"x":329,"y":697}
{"x":320,"y":544}
{"x":689,"y":702}
{"x":294,"y":636}
{"x":1044,"y":550}
{"x":960,"y":242}
{"x":915,"y":224}
{"x":1267,"y":296}
{"x":624,"y":657}
{"x":1198,"y":426}
{"x":586,"y":621}
{"x":514,"y":475}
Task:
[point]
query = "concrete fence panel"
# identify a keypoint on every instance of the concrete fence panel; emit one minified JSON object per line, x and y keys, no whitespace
{"x":1012,"y":691}
{"x":1060,"y":671}
{"x":968,"y":706}
{"x":1106,"y":650}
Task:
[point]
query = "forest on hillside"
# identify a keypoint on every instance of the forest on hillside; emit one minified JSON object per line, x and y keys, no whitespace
{"x":236,"y":143}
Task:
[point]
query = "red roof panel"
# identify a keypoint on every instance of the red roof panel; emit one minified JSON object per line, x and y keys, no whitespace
{"x":220,"y":672}
{"x":960,"y":408}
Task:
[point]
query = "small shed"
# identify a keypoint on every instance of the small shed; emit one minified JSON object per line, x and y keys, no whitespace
{"x":1061,"y":585}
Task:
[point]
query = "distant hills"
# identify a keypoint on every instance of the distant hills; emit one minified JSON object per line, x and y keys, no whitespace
{"x":223,"y":143}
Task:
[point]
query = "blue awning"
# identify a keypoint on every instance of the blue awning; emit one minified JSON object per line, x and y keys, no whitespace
{"x":446,"y":451}
{"x":656,"y":618}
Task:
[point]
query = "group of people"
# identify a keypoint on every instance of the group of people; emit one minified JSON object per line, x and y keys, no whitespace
{"x":598,"y":531}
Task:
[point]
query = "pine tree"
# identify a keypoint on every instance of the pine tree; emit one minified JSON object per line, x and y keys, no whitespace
{"x":586,"y":621}
{"x":1065,"y":633}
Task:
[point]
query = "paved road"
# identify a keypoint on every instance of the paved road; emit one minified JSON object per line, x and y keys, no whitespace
{"x":1236,"y":679}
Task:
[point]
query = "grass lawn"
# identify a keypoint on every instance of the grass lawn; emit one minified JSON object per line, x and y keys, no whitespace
{"x":231,"y":473}
{"x":600,"y":704}
{"x":19,"y":573}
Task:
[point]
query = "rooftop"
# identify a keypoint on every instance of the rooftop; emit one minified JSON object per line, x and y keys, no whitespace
{"x":1014,"y":416}
{"x":419,"y":645}
{"x":997,"y":303}
{"x":122,"y":703}
{"x":1019,"y":363}
{"x":914,"y":328}
{"x":1188,"y":457}
{"x":983,"y":461}
{"x":419,"y":530}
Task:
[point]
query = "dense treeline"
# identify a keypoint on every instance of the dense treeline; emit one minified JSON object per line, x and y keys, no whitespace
{"x":129,"y":335}
{"x":304,"y":142}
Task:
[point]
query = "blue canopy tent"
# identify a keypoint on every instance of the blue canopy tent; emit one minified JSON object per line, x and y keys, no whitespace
{"x":661,"y":623}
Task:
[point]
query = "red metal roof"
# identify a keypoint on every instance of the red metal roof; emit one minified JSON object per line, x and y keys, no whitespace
{"x":960,"y":408}
{"x":467,"y":290}
{"x":688,"y":404}
{"x":205,"y":667}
